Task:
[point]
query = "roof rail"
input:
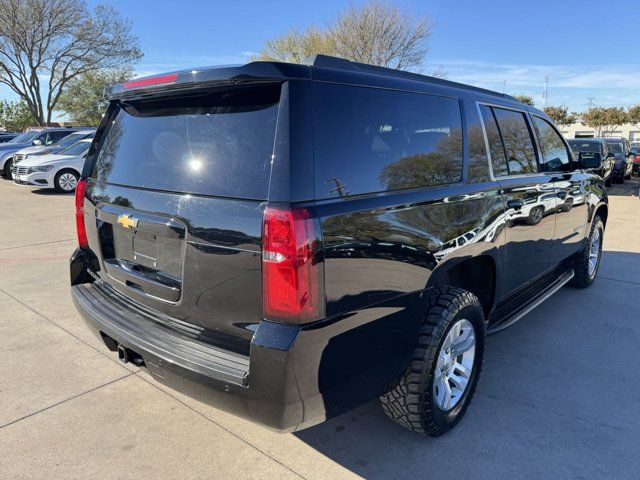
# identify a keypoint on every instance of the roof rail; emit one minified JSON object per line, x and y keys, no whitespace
{"x":327,"y":61}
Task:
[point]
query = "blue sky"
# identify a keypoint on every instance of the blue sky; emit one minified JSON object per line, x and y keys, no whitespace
{"x":588,"y":48}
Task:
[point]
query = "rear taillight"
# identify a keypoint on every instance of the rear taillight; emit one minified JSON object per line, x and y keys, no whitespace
{"x":80,"y":226}
{"x":292,"y":273}
{"x":636,"y":159}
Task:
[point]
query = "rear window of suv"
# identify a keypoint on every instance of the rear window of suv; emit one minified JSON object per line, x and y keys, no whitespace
{"x":616,"y":147}
{"x":369,"y":140}
{"x":215,"y":143}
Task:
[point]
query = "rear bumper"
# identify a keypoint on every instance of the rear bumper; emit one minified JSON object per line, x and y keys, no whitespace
{"x":260,"y":388}
{"x":290,"y":377}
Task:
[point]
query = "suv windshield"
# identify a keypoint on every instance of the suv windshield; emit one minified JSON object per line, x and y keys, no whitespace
{"x":216,"y":143}
{"x":77,"y":149}
{"x":24,"y":137}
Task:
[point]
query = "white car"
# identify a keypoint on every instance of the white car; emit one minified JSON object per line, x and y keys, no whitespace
{"x":60,"y":171}
{"x":57,"y":147}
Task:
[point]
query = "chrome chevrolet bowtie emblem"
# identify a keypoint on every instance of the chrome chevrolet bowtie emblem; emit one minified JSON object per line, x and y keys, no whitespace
{"x":127,"y":221}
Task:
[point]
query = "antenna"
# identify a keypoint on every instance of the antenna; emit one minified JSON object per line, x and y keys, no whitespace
{"x":590,"y":102}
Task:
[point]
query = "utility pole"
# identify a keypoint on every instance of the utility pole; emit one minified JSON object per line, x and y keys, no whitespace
{"x":590,"y":102}
{"x":545,"y":93}
{"x":504,"y":86}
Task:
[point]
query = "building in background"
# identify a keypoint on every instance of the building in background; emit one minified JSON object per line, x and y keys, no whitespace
{"x":579,"y":130}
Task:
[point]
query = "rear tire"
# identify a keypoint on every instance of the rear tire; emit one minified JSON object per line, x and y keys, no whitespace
{"x":7,"y":169}
{"x":567,"y":206}
{"x":535,"y":216}
{"x":417,"y":400}
{"x":607,"y":182}
{"x":586,"y":265}
{"x":65,"y":181}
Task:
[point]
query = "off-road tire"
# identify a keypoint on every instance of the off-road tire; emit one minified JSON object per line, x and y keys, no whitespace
{"x":409,"y":401}
{"x":582,"y":279}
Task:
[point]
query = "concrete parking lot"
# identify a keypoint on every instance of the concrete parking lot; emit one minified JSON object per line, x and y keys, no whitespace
{"x":559,"y":396}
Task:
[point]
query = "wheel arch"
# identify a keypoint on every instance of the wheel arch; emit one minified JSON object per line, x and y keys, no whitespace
{"x":68,"y":169}
{"x":477,"y":274}
{"x":3,"y":161}
{"x":602,"y":210}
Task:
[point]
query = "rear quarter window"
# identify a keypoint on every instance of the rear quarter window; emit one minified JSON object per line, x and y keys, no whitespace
{"x":369,"y":140}
{"x":215,"y":143}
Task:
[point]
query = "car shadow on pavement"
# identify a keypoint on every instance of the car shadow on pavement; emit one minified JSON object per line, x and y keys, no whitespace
{"x":546,"y":404}
{"x":50,"y":192}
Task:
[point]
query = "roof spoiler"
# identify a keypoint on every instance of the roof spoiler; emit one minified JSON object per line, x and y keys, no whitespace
{"x":254,"y":72}
{"x":266,"y":71}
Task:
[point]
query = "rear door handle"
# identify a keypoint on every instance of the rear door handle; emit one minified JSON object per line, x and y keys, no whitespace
{"x":515,"y":204}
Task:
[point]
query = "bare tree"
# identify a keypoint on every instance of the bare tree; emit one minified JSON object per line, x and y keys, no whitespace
{"x":44,"y":44}
{"x":376,"y":33}
{"x":295,"y":46}
{"x":381,"y":34}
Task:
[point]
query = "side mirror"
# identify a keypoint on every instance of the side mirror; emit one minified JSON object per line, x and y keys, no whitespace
{"x":37,"y":142}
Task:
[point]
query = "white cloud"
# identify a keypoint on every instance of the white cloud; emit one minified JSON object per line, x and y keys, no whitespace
{"x":568,"y":84}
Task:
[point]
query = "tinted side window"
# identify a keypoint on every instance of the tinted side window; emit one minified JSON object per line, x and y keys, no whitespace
{"x":496,"y":148}
{"x":478,"y":159}
{"x":371,"y":140}
{"x":53,"y":137}
{"x":517,"y":140}
{"x":555,"y":157}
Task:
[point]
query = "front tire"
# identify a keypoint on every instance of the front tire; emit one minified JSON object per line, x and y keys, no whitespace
{"x":433,"y":394}
{"x":7,"y":169}
{"x":587,"y":264}
{"x":66,"y":181}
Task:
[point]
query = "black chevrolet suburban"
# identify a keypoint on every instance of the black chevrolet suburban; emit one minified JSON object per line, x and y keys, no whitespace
{"x":288,"y":241}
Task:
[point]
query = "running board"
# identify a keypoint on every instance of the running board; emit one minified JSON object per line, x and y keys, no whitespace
{"x":506,"y":320}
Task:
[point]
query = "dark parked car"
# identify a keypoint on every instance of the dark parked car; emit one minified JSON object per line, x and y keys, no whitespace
{"x":595,"y":156}
{"x":635,"y":154}
{"x":287,"y":241}
{"x":7,"y":136}
{"x":624,"y":161}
